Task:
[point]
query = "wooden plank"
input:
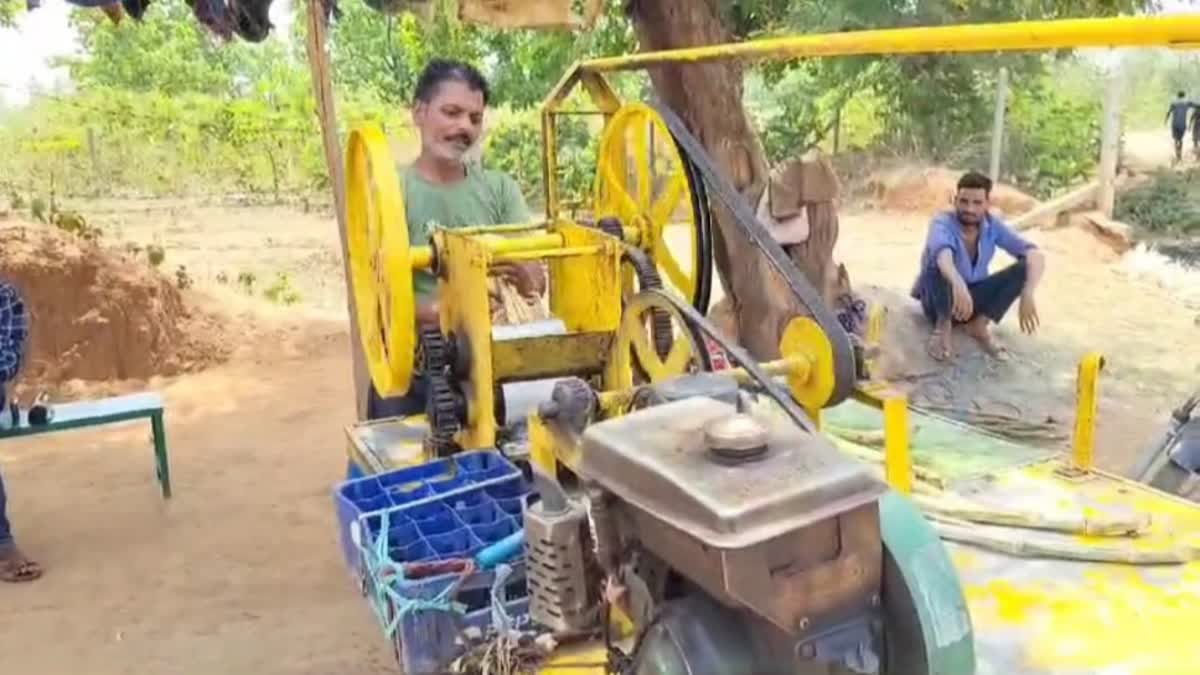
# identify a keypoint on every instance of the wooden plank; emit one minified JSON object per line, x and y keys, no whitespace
{"x":1049,"y":211}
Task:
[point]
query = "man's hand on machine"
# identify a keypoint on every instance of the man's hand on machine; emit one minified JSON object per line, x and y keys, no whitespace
{"x":528,"y":278}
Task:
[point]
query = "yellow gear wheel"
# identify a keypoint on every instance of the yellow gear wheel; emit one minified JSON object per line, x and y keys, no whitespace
{"x":643,"y":180}
{"x":633,"y":345}
{"x":812,"y":387}
{"x":380,"y":261}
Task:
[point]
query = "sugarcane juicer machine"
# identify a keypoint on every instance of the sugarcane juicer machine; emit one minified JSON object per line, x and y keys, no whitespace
{"x":703,"y":507}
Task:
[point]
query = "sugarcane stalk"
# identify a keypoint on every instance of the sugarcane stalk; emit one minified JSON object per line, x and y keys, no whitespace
{"x":1024,"y":547}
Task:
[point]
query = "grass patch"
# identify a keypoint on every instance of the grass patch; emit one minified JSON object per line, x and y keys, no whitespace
{"x":1169,"y":204}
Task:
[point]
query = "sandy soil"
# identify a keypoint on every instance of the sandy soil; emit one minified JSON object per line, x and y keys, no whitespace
{"x":241,"y":573}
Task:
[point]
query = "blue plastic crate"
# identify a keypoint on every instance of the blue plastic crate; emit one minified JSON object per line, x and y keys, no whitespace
{"x":428,"y":484}
{"x":447,"y":509}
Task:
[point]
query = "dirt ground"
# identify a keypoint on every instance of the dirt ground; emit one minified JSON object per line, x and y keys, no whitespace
{"x":241,"y":573}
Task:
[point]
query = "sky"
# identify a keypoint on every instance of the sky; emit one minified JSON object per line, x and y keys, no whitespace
{"x":40,"y":35}
{"x":27,"y":49}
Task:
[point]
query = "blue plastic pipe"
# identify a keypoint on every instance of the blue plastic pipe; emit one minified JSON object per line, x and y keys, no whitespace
{"x":502,"y":551}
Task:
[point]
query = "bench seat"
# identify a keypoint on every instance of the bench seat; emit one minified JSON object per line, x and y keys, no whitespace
{"x":99,"y":412}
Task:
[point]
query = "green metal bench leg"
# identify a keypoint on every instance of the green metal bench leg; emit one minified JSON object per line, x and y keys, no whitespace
{"x":161,"y":462}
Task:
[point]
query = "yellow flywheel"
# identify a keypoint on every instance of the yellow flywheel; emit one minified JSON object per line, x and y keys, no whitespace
{"x":380,"y":261}
{"x":645,"y":181}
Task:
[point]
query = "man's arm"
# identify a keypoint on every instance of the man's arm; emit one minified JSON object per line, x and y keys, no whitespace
{"x":1022,"y":249}
{"x":939,"y":247}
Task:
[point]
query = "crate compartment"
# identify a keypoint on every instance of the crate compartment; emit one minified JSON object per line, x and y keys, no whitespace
{"x":491,"y":533}
{"x":482,"y":514}
{"x":458,"y":543}
{"x":449,"y":484}
{"x":514,"y":487}
{"x":439,"y":524}
{"x":415,"y":551}
{"x":465,"y":499}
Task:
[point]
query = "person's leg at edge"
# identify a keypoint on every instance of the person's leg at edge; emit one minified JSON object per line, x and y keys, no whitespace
{"x":14,"y":566}
{"x":993,"y":297}
{"x":937,"y":302}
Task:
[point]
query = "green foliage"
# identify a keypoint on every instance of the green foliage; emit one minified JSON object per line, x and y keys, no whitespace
{"x":9,"y":10}
{"x":155,"y":255}
{"x":169,"y":51}
{"x":1153,"y":76}
{"x":246,"y":281}
{"x":163,"y":108}
{"x":513,"y":145}
{"x":1169,"y":204}
{"x":281,"y":291}
{"x":1053,"y":139}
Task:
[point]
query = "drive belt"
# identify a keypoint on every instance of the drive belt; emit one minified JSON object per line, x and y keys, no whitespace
{"x":844,"y":365}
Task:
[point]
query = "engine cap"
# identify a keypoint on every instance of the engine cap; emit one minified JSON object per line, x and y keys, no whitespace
{"x":736,"y":438}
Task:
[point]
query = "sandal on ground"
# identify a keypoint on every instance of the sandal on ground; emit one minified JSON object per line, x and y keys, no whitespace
{"x":19,"y":570}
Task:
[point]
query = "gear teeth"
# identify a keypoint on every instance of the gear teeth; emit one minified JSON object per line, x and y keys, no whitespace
{"x":444,"y":408}
{"x":661,"y":327}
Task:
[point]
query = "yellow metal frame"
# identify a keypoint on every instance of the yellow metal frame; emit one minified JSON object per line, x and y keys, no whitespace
{"x":1087,"y":404}
{"x":1179,"y":31}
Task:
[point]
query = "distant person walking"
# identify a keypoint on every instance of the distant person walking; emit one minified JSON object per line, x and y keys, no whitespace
{"x":1177,"y":115}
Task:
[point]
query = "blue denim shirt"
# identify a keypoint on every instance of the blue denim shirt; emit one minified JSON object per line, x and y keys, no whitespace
{"x":946,"y":232}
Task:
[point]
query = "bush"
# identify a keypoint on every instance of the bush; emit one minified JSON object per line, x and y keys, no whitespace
{"x":514,"y":145}
{"x":1053,"y":139}
{"x":1169,"y":204}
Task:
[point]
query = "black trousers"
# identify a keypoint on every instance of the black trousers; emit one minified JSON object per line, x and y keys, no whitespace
{"x":992,"y":297}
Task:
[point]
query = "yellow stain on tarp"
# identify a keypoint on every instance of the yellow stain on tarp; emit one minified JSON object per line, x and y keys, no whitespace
{"x":1111,"y":616}
{"x":1114,"y":619}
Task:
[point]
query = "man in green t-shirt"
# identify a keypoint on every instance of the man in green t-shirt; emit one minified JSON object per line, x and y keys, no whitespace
{"x":442,"y":188}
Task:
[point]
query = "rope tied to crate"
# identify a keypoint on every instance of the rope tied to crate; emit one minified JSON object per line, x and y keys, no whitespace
{"x":387,"y":575}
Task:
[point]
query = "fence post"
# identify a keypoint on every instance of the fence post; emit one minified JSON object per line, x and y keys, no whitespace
{"x":998,"y":124}
{"x":1110,"y":137}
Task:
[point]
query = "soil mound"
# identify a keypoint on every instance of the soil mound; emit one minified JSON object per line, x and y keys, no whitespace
{"x":929,"y":189}
{"x":100,"y":314}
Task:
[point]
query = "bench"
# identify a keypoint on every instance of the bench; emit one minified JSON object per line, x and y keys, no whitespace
{"x":84,"y":414}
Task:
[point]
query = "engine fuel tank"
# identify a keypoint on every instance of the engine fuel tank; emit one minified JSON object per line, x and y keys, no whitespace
{"x":792,"y":533}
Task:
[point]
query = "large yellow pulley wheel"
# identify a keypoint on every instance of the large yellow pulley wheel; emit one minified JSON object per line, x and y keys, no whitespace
{"x":644,"y":180}
{"x":380,"y":261}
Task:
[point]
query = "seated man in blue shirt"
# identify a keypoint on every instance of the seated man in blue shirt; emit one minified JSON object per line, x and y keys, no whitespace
{"x":954,"y":286}
{"x":14,"y":329}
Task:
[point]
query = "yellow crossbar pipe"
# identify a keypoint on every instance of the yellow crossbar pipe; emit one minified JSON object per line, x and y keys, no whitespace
{"x":513,"y":248}
{"x":1155,"y":31}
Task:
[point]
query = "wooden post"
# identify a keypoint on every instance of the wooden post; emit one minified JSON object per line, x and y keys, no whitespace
{"x":97,"y":176}
{"x":837,"y":130}
{"x":998,"y":124}
{"x":318,"y":64}
{"x":1110,"y":139}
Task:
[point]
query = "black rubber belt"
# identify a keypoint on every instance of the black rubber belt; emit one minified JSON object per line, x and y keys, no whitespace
{"x":844,"y":367}
{"x":698,"y":323}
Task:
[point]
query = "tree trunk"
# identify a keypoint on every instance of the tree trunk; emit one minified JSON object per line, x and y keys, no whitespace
{"x":708,"y":97}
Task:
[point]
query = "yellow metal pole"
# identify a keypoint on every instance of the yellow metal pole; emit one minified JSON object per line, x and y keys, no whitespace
{"x":514,"y":248}
{"x":1155,"y":31}
{"x":1084,"y":455}
{"x":897,"y":456}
